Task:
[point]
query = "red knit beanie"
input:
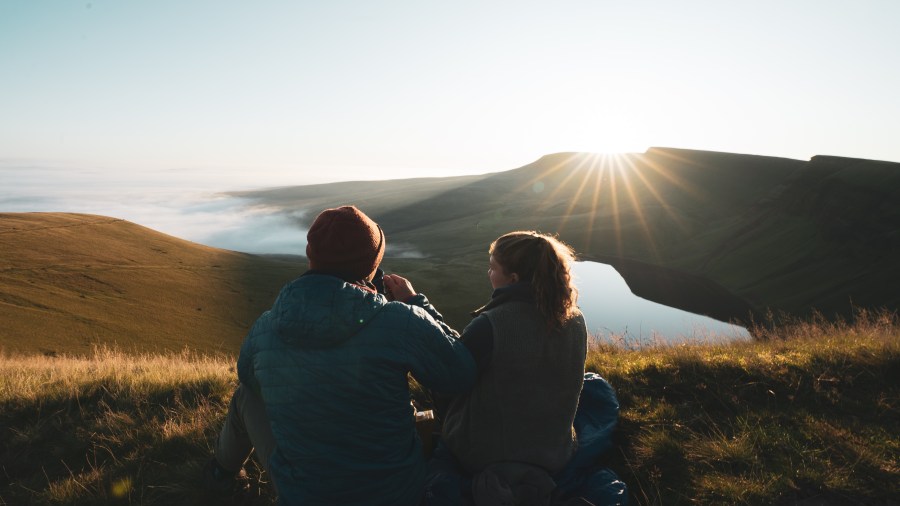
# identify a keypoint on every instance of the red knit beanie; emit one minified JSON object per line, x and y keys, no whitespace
{"x":344,"y":240}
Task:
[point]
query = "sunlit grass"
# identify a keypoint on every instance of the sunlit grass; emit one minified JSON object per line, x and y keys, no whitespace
{"x":30,"y":377}
{"x":109,"y":427}
{"x":810,"y":410}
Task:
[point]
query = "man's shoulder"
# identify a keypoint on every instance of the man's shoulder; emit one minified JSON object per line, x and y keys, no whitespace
{"x":394,"y":309}
{"x":407,"y":314}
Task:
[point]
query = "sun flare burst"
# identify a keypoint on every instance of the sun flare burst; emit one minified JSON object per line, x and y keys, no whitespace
{"x":618,"y":198}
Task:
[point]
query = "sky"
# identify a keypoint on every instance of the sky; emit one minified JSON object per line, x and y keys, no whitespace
{"x":278,"y":92}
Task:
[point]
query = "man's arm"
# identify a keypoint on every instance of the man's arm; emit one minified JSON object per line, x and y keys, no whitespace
{"x":245,"y":371}
{"x":437,"y":358}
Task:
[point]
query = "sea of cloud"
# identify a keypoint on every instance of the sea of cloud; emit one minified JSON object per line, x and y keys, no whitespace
{"x":191,"y":205}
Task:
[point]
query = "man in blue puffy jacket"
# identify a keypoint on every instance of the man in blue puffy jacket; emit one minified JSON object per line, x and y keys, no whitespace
{"x":324,"y":395}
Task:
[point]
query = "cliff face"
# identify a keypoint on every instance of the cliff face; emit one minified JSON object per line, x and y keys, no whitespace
{"x":832,"y":232}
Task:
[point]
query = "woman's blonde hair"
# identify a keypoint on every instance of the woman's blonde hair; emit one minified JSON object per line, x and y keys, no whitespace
{"x":544,"y":261}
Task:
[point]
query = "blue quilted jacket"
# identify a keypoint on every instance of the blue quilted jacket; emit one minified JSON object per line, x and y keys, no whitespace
{"x":330,"y":360}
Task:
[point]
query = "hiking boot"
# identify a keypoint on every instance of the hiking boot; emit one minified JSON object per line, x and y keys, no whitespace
{"x":222,"y":483}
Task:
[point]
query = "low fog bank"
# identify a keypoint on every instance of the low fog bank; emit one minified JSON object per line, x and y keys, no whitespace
{"x":185,"y":204}
{"x":257,"y":230}
{"x":191,"y":205}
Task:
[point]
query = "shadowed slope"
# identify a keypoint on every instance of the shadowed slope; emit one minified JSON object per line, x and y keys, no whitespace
{"x":69,"y":281}
{"x":827,"y":238}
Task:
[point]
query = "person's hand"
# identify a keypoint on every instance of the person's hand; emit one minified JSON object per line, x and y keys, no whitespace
{"x":398,"y":287}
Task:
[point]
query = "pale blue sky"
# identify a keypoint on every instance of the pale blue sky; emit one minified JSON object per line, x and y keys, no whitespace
{"x":382,"y":89}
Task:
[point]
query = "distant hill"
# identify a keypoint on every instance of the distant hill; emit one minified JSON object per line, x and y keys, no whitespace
{"x":727,"y":235}
{"x":720,"y":234}
{"x":68,"y":282}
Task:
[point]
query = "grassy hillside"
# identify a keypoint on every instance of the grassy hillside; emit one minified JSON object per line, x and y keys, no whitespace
{"x":806,"y":416}
{"x":752,"y":232}
{"x":69,"y":282}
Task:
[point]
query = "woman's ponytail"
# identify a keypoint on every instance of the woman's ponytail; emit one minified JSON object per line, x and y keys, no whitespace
{"x":545,"y":262}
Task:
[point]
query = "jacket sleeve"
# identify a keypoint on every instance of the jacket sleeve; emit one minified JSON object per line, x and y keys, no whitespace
{"x":245,"y":370}
{"x":421,"y":301}
{"x":245,"y":367}
{"x":437,"y":358}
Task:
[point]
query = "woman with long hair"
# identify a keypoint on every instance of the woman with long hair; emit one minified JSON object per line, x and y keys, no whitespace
{"x":529,"y":343}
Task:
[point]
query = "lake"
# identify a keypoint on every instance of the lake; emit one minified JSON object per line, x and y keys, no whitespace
{"x":613,"y":313}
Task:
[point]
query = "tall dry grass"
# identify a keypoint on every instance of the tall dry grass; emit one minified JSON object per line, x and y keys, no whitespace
{"x":807,"y":412}
{"x":110,"y":428}
{"x":32,"y":377}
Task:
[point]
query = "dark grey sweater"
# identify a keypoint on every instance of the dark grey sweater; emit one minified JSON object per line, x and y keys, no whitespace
{"x":523,"y":405}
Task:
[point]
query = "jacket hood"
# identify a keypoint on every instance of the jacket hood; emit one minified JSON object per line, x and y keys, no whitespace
{"x":322,"y":311}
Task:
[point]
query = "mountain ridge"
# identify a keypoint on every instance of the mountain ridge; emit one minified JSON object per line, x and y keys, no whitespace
{"x":684,"y":228}
{"x":777,"y":233}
